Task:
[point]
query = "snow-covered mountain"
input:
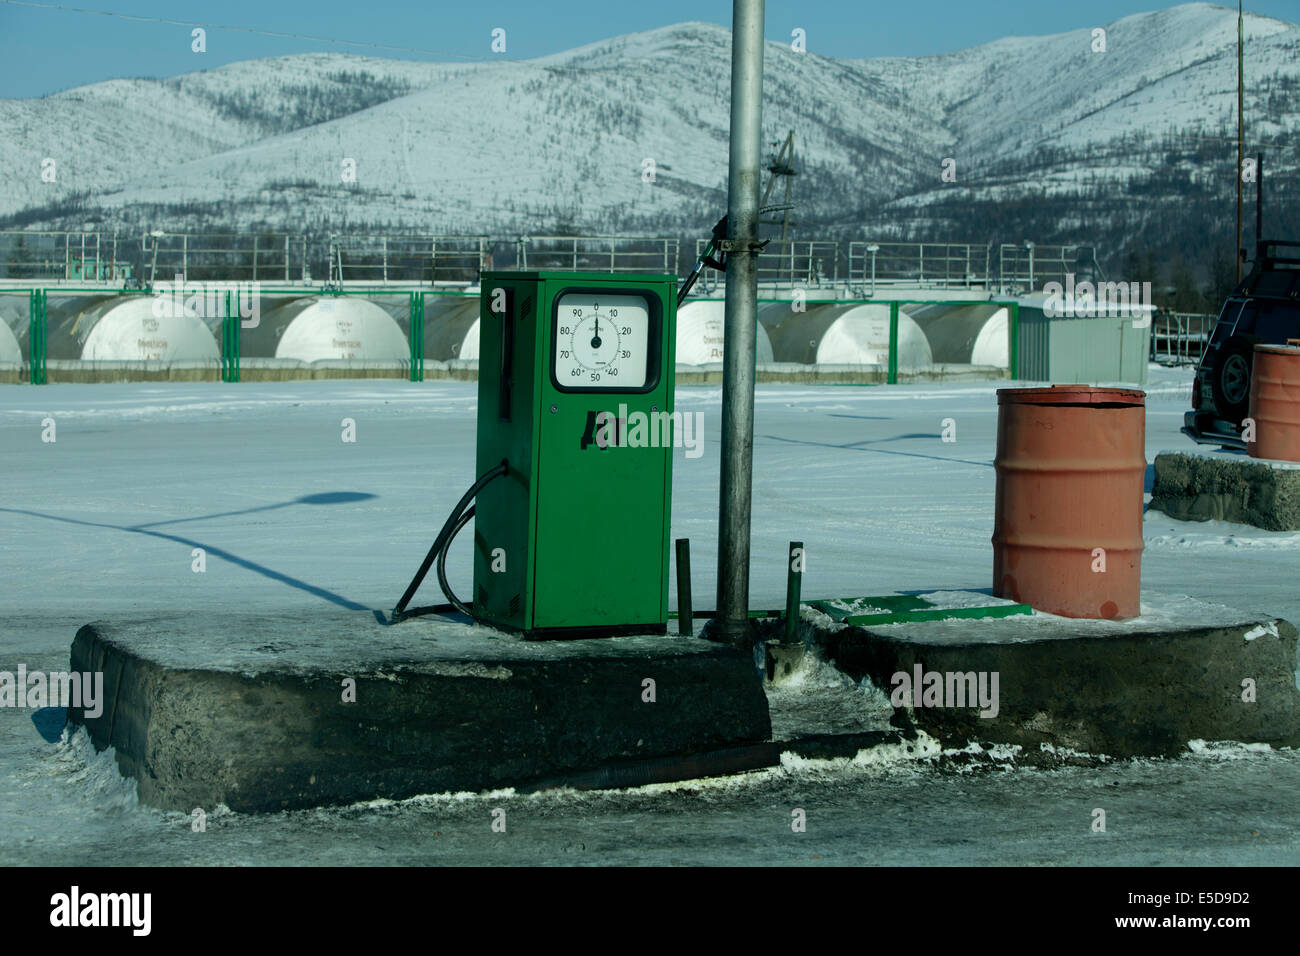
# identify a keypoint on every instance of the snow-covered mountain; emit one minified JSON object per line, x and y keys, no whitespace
{"x":1049,"y":139}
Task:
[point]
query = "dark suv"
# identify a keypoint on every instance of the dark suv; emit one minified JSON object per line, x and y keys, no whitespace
{"x":1263,"y":309}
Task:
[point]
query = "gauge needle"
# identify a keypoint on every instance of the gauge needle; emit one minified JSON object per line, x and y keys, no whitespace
{"x":595,"y":337}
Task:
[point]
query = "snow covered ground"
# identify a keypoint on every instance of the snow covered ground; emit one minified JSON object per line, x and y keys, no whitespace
{"x":102,"y":522}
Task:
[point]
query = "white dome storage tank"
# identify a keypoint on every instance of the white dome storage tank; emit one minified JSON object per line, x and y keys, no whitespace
{"x":343,"y":328}
{"x":11,"y":352}
{"x":861,"y":337}
{"x":992,"y":345}
{"x":974,"y":334}
{"x":772,"y":314}
{"x":13,"y":320}
{"x":701,"y":326}
{"x":69,"y":320}
{"x":451,"y":328}
{"x":849,"y":335}
{"x":128,"y":330}
{"x":469,"y":347}
{"x":276,"y":315}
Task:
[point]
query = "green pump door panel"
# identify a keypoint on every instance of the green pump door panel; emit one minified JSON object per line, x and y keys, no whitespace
{"x":575,"y":391}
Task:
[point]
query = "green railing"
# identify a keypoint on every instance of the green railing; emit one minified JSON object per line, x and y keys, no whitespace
{"x":231,"y":324}
{"x":1013,"y":324}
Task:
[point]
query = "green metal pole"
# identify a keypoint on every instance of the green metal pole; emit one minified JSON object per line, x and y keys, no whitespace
{"x":31,"y":336}
{"x":412,"y":333}
{"x":417,"y":336}
{"x":37,"y":337}
{"x":230,"y":324}
{"x":236,"y":323}
{"x":225,"y":346}
{"x":225,"y":339}
{"x":793,"y":586}
{"x":892,"y":377}
{"x":1013,"y":347}
{"x":685,"y":610}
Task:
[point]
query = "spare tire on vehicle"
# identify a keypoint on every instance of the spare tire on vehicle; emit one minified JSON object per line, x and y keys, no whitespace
{"x":1231,"y":378}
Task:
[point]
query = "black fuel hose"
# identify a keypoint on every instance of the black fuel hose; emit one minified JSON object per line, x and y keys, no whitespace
{"x":442,"y":564}
{"x":455,"y":521}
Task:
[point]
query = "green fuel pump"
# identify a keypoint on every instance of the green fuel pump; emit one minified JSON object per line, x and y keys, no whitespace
{"x":575,"y":435}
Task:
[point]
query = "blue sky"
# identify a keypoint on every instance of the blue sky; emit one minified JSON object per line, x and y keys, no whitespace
{"x":43,"y":50}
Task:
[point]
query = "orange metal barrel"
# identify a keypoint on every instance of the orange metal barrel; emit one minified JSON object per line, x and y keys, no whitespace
{"x":1067,"y":526}
{"x":1275,"y":403}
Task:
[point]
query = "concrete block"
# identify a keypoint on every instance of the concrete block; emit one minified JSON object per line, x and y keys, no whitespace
{"x":1203,"y":486}
{"x":1142,"y":687}
{"x":249,"y":711}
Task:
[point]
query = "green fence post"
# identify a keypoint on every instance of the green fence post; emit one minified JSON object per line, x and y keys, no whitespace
{"x":793,"y":586}
{"x":892,"y":377}
{"x":236,"y":323}
{"x":36,"y":338}
{"x":230,"y":325}
{"x":31,"y":336}
{"x":417,"y":336}
{"x":225,"y":338}
{"x":225,"y":345}
{"x":412,"y":334}
{"x":1013,"y":347}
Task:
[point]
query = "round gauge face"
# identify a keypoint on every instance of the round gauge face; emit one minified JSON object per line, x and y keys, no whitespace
{"x":602,"y":341}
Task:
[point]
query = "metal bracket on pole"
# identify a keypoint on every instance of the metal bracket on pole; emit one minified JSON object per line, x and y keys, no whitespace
{"x":732,"y":246}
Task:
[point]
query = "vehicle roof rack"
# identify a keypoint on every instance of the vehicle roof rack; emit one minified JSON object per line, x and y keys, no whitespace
{"x":1274,"y":253}
{"x":1275,"y":273}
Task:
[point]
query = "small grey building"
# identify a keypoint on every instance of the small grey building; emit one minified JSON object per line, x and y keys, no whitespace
{"x":1063,"y":349}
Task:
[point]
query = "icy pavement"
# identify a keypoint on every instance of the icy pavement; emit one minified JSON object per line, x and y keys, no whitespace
{"x":104,"y":521}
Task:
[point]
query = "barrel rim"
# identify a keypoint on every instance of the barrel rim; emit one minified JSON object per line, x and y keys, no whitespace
{"x":1080,"y":395}
{"x":1291,"y":350}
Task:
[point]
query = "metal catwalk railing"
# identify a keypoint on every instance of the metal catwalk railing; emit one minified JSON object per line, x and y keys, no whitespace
{"x":1180,"y":338}
{"x":927,"y":264}
{"x":858,"y":266}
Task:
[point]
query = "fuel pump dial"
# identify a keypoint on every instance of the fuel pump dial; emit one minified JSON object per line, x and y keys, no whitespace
{"x":602,"y":341}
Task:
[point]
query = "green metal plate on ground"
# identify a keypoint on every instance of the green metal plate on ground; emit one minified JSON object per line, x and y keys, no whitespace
{"x":892,"y":609}
{"x":753,"y":615}
{"x":902,"y":608}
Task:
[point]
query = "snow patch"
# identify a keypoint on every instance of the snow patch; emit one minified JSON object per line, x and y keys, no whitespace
{"x":1226,"y":749}
{"x":1069,"y":752}
{"x":95,"y":775}
{"x":881,"y":756}
{"x":1260,"y":630}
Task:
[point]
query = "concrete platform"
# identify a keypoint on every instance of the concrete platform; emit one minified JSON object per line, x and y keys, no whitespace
{"x":249,"y":711}
{"x":1142,"y":687}
{"x":1204,"y":485}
